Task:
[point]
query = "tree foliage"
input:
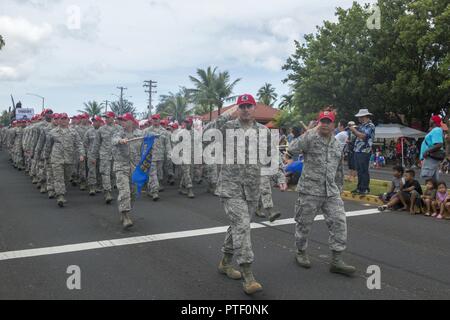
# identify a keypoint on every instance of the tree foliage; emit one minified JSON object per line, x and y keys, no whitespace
{"x":175,"y":105}
{"x":212,"y":88}
{"x":266,"y":95}
{"x":400,"y":68}
{"x":124,"y":107}
{"x":93,"y":108}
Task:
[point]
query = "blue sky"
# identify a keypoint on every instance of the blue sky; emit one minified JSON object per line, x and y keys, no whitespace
{"x":70,"y":59}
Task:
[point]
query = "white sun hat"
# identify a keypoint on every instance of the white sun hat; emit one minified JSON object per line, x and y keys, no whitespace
{"x":363,"y":113}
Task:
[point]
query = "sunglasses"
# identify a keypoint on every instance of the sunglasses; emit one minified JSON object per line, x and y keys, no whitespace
{"x":246,"y":106}
{"x":63,"y":118}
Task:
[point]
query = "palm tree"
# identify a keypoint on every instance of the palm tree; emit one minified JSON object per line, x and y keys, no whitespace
{"x":212,"y":89}
{"x":93,"y":108}
{"x":125,"y":107}
{"x":287,"y":101}
{"x":266,"y":95}
{"x":2,"y":42}
{"x":175,"y":105}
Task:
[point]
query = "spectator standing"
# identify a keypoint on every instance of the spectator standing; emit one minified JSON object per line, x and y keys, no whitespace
{"x":431,"y":152}
{"x":365,"y":135}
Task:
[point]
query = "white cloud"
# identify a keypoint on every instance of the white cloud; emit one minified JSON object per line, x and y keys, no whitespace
{"x":124,"y":42}
{"x":23,"y":43}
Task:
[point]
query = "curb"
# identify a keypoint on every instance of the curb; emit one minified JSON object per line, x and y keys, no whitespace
{"x":347,"y":195}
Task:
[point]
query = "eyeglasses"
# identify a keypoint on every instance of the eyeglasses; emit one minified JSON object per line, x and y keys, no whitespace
{"x":246,"y":106}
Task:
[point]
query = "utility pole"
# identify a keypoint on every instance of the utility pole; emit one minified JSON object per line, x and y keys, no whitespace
{"x":106,"y":105}
{"x":150,"y":84}
{"x":121,"y":95}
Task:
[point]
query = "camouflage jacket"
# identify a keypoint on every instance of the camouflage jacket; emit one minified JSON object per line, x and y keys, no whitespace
{"x":239,"y":180}
{"x":62,"y":145}
{"x":41,"y":135}
{"x":162,"y":147}
{"x":88,"y":142}
{"x":126,"y":156}
{"x":322,"y":173}
{"x":103,"y":143}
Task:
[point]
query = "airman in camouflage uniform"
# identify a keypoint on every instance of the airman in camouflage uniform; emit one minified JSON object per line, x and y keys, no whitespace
{"x":103,"y":146}
{"x":36,"y":146}
{"x":93,"y":156}
{"x":62,"y":144}
{"x":211,"y":172}
{"x":81,"y":166}
{"x":49,"y":184}
{"x":239,"y":189}
{"x":320,"y":187}
{"x":161,"y":150}
{"x":265,"y":201}
{"x":126,"y":155}
{"x":187,"y":169}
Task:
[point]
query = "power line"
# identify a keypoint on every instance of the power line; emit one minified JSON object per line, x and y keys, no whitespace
{"x":121,"y":95}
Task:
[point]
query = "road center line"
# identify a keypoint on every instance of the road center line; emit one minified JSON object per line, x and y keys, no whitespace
{"x":9,"y":255}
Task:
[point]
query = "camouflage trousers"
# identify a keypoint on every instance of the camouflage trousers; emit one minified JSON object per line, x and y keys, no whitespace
{"x":126,"y":190}
{"x":93,"y":177}
{"x":265,"y":199}
{"x":49,"y":175}
{"x":187,"y":172}
{"x":169,"y":167}
{"x":106,"y":173}
{"x":61,"y":174}
{"x":237,"y":240}
{"x":42,"y":171}
{"x":34,"y":165}
{"x":198,"y":173}
{"x":306,"y":209}
{"x":81,"y":170}
{"x":211,"y":173}
{"x":154,"y":180}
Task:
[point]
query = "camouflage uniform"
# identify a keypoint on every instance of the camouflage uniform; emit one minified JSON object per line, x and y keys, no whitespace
{"x":62,"y":144}
{"x":161,"y":150}
{"x":187,"y":169}
{"x":103,"y":146}
{"x":211,"y":172}
{"x":126,"y":158}
{"x":319,"y":188}
{"x":92,"y":155}
{"x":80,"y":166}
{"x":265,"y":201}
{"x":239,"y":188}
{"x":40,"y":142}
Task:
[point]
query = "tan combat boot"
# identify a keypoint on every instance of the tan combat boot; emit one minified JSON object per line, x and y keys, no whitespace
{"x":126,"y":220}
{"x":108,"y":197}
{"x":190,"y":193}
{"x":61,"y":201}
{"x":92,"y":191}
{"x":250,"y":285}
{"x":226,"y":267}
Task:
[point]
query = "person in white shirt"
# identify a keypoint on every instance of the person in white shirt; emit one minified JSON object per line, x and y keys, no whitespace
{"x":342,"y":136}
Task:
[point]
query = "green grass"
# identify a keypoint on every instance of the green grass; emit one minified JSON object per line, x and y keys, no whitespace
{"x":376,"y":187}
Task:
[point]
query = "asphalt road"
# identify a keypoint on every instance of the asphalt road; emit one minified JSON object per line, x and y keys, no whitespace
{"x":413,"y":252}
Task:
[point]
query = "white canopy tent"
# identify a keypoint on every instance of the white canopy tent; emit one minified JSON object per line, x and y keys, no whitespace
{"x":394,"y":131}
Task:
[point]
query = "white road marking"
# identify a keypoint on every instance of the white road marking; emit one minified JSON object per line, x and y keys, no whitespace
{"x":9,"y":255}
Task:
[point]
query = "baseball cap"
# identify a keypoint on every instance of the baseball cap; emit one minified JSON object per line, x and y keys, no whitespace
{"x":156,"y":116}
{"x":327,"y":115}
{"x":246,"y":99}
{"x":437,"y":120}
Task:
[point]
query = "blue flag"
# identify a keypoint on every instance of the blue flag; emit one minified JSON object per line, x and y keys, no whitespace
{"x":142,"y":171}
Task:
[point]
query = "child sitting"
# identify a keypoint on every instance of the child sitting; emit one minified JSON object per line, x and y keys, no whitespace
{"x":410,"y":193}
{"x":391,"y":199}
{"x":429,"y":197}
{"x":441,"y":204}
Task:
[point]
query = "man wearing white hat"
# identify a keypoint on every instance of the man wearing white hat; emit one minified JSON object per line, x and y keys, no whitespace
{"x":365,"y":134}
